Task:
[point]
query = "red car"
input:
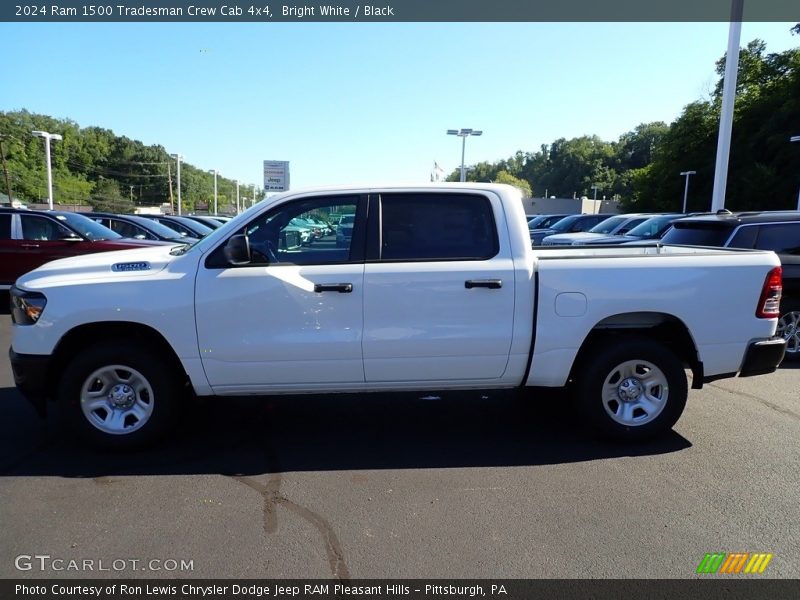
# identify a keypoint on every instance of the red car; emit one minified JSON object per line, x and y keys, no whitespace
{"x":30,"y":238}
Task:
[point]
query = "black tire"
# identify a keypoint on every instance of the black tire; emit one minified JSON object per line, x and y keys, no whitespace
{"x":789,"y":328}
{"x":604,"y":362}
{"x":152,"y":387}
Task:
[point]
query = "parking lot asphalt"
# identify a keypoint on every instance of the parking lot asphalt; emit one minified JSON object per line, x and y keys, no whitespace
{"x":376,"y":486}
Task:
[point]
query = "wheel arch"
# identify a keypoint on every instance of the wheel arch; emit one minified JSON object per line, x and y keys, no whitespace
{"x":87,"y":334}
{"x":664,"y":328}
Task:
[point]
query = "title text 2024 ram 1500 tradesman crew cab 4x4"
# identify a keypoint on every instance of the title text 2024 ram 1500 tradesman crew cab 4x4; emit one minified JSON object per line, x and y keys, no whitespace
{"x":437,"y":288}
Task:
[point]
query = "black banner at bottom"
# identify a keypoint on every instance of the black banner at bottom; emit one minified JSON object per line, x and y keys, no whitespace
{"x":408,"y":589}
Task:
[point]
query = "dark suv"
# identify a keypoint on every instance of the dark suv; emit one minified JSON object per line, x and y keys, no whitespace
{"x":777,"y":231}
{"x":30,"y":238}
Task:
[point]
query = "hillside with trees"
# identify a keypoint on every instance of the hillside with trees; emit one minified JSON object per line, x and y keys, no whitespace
{"x":642,"y":167}
{"x":94,"y":166}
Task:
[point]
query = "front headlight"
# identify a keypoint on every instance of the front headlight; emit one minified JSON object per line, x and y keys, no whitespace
{"x":26,"y":307}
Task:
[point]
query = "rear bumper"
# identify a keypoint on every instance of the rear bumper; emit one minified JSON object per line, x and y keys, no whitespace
{"x":763,"y":356}
{"x":30,"y":377}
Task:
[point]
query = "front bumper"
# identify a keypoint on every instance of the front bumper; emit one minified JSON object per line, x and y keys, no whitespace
{"x":763,"y":356}
{"x":30,"y":377}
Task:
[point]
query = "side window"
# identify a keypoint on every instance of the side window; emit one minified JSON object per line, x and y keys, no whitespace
{"x":437,"y":226}
{"x":302,"y":232}
{"x":128,"y":230}
{"x":783,"y":238}
{"x":43,"y":229}
{"x":745,"y":237}
{"x":5,"y":227}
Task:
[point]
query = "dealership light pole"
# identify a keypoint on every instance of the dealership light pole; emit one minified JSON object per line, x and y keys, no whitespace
{"x":179,"y":157}
{"x":463,"y":134}
{"x":796,"y":138}
{"x":47,"y":137}
{"x":215,"y":172}
{"x":686,"y":174}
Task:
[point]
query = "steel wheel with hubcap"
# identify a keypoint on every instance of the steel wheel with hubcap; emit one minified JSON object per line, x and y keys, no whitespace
{"x":117,"y":395}
{"x":631,"y":388}
{"x":117,"y":399}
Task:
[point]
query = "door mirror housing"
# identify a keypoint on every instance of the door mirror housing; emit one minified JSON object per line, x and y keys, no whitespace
{"x":237,"y":250}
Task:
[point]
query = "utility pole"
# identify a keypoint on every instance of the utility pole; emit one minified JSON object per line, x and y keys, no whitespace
{"x":5,"y":170}
{"x":238,"y":209}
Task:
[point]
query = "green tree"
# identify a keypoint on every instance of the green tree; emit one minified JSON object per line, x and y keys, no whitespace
{"x":520,"y":184}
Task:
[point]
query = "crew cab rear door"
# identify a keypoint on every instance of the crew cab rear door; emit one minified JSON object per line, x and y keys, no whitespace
{"x":438,"y":288}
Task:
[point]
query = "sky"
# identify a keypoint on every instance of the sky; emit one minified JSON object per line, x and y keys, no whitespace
{"x":362,"y":102}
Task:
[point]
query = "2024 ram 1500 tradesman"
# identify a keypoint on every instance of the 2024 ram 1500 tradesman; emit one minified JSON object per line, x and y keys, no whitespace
{"x":437,"y":288}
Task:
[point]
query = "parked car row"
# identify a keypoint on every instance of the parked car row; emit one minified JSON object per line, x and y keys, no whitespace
{"x":30,"y":238}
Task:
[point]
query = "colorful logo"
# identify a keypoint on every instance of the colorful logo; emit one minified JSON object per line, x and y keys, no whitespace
{"x":734,"y":563}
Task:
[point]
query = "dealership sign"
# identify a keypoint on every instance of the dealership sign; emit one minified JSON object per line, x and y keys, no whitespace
{"x":276,"y":175}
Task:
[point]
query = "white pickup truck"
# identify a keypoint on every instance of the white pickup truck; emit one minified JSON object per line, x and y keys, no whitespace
{"x":437,"y":288}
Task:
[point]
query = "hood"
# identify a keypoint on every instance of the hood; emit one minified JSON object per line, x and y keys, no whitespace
{"x":611,"y":239}
{"x":581,"y":237}
{"x":107,"y":266}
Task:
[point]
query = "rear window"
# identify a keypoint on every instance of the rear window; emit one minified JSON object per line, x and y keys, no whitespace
{"x":437,"y":227}
{"x":707,"y":233}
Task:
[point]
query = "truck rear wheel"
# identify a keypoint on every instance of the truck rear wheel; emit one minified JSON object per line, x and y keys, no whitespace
{"x":117,"y":395}
{"x":631,"y":389}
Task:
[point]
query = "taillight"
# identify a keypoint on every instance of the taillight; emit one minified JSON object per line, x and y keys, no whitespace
{"x":769,"y":305}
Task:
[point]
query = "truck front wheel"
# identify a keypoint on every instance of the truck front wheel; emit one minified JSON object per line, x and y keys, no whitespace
{"x":631,"y":389}
{"x":117,"y":395}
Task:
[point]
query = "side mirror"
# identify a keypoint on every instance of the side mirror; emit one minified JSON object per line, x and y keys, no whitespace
{"x":237,"y":250}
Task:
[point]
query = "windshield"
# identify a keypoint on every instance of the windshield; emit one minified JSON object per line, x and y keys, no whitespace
{"x":91,"y":230}
{"x":565,"y":223}
{"x":608,"y":225}
{"x":194,"y":226}
{"x":536,"y":222}
{"x":159,"y":229}
{"x":651,"y":227}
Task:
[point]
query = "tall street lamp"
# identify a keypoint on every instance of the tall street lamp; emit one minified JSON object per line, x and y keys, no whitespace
{"x":463,"y":134}
{"x":47,"y":137}
{"x":796,"y":138}
{"x":686,"y":174}
{"x":179,"y":157}
{"x":215,"y":172}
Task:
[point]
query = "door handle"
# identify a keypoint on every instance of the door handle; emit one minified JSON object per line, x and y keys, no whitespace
{"x":342,"y":288}
{"x":29,"y":245}
{"x":492,"y":284}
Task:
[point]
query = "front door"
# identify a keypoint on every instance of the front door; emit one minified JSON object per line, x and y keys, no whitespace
{"x":292,"y":319}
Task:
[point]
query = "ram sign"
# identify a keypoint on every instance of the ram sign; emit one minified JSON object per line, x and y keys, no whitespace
{"x":276,"y":175}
